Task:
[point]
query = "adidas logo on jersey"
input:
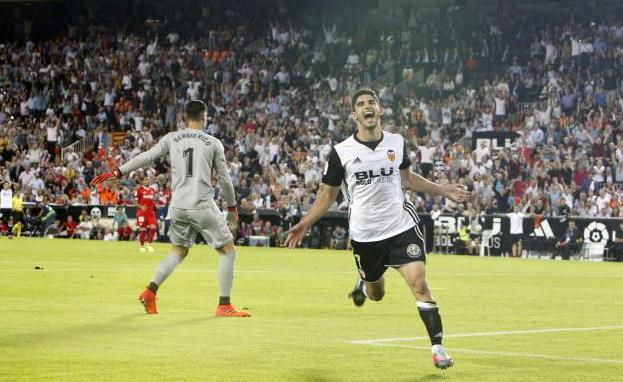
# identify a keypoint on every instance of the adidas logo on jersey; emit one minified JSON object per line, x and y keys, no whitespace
{"x":357,"y":160}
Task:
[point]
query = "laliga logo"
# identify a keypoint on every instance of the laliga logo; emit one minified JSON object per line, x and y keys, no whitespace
{"x":596,"y":233}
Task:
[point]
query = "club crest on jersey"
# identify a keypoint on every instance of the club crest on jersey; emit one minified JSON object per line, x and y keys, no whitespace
{"x":413,"y":250}
{"x":391,"y":155}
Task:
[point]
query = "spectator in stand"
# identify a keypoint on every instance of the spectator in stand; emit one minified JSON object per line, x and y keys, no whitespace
{"x":68,"y":228}
{"x":257,"y":225}
{"x":125,"y":232}
{"x":427,"y":151}
{"x":562,"y":90}
{"x":109,"y":235}
{"x":84,"y":228}
{"x":338,"y":239}
{"x":119,"y":218}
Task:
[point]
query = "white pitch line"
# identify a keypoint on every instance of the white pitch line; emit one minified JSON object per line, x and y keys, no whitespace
{"x":507,"y":354}
{"x":285,"y":271}
{"x":490,"y":334}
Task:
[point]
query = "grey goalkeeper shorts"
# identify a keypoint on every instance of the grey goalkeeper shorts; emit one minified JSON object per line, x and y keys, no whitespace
{"x":209,"y":222}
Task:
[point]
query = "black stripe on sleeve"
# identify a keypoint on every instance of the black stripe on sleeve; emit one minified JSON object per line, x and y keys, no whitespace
{"x":406,"y":162}
{"x":333,"y":174}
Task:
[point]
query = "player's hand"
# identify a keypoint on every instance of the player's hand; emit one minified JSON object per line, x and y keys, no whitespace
{"x":232,"y":218}
{"x":455,"y":191}
{"x":296,"y":235}
{"x":105,"y":176}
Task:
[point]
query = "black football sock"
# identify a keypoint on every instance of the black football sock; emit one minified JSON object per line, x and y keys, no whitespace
{"x":429,"y":312}
{"x":224,"y":300}
{"x":153,"y":287}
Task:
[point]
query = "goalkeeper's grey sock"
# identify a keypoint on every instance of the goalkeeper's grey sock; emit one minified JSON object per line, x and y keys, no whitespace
{"x":429,"y":313}
{"x":164,"y":269}
{"x":225,"y":276}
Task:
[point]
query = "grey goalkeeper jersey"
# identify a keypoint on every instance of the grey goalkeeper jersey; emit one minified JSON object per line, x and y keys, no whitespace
{"x":194,"y":155}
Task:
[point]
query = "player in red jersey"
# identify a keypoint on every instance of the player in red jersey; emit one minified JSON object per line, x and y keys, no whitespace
{"x":146,"y":213}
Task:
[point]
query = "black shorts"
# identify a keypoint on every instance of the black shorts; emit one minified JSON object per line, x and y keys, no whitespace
{"x":5,"y":214}
{"x":373,"y":258}
{"x":515,"y":238}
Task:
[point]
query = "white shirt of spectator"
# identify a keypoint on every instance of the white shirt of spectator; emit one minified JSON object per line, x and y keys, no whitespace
{"x":143,"y":68}
{"x":550,"y":52}
{"x":151,"y":48}
{"x":544,"y":117}
{"x":23,"y":108}
{"x":126,"y":81}
{"x":52,"y":133}
{"x":173,"y":38}
{"x":535,"y":137}
{"x":446,"y":116}
{"x":6,"y":197}
{"x":482,"y":152}
{"x":500,"y":106}
{"x":568,"y":200}
{"x":598,"y":172}
{"x":458,"y":79}
{"x":37,"y":184}
{"x":516,"y":222}
{"x":575,"y":47}
{"x":352,"y":60}
{"x":477,"y":168}
{"x":94,"y":198}
{"x":426,"y":154}
{"x":289,"y":179}
{"x":282,"y":77}
{"x":603,"y":201}
{"x":26,"y":177}
{"x":138,"y":122}
{"x":332,"y":81}
{"x":84,"y":228}
{"x":487,"y":121}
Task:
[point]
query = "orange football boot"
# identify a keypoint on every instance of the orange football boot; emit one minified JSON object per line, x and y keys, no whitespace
{"x":148,"y":299}
{"x":228,"y":310}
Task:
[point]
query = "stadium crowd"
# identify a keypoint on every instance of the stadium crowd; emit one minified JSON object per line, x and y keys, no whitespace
{"x":278,"y":101}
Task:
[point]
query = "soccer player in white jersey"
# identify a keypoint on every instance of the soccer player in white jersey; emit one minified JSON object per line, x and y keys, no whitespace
{"x":193,"y":155}
{"x":372,"y":167}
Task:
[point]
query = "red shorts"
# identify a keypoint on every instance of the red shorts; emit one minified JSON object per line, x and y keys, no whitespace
{"x":145,"y":220}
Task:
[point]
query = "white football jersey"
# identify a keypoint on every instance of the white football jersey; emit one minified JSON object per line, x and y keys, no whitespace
{"x":369,"y":174}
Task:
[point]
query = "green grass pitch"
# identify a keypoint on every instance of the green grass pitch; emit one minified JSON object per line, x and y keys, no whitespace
{"x":79,"y":319}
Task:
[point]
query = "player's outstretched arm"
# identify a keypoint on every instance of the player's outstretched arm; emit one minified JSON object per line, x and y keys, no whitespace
{"x":143,"y":159}
{"x":326,"y":196}
{"x":161,"y":148}
{"x":413,"y":181}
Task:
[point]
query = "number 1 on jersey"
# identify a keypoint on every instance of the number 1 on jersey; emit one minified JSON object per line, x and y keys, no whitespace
{"x":188,"y":154}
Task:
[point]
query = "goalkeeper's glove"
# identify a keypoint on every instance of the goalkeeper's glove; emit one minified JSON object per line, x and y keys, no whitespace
{"x":106,"y":176}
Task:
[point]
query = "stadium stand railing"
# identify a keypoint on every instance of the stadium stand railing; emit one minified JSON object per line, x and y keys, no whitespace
{"x":80,"y":146}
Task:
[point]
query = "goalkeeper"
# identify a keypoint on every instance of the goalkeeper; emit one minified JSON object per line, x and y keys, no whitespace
{"x":193,"y":155}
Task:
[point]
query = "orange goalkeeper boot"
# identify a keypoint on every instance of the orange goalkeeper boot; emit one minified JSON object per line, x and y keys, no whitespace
{"x":228,"y":310}
{"x":148,"y":299}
